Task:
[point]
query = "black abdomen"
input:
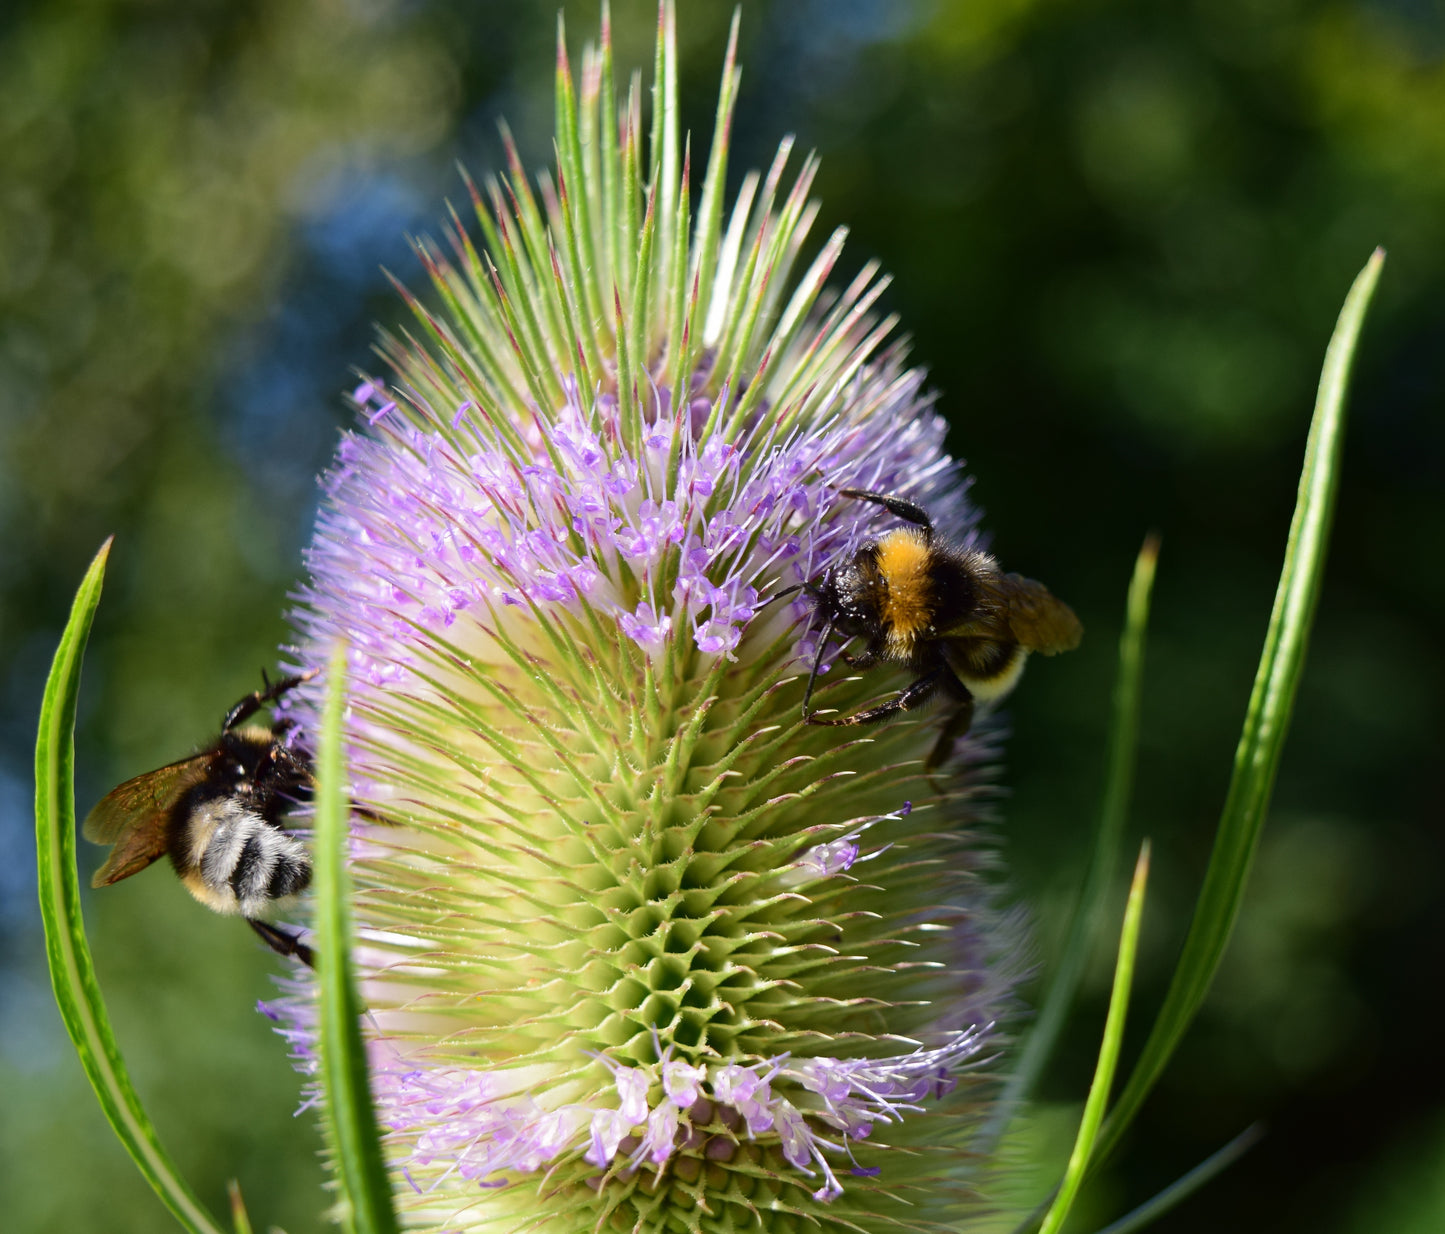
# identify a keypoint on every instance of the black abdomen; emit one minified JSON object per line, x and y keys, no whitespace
{"x":955,"y":593}
{"x":244,"y":862}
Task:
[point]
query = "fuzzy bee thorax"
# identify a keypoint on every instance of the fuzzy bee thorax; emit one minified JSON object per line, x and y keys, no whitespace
{"x":904,"y":559}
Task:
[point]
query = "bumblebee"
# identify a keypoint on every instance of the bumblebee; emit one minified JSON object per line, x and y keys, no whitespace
{"x":217,"y":815}
{"x":947,"y":614}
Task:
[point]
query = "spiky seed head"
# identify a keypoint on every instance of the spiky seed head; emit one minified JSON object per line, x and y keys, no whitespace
{"x":642,"y":951}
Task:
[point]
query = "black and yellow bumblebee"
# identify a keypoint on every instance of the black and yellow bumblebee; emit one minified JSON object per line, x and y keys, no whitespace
{"x":217,"y":815}
{"x":947,"y":614}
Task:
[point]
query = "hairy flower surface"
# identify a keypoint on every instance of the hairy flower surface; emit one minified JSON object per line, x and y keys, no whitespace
{"x":641,"y":950}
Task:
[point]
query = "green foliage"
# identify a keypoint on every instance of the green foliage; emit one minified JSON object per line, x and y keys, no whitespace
{"x":71,"y":972}
{"x":1098,"y":1097}
{"x":1267,"y":718}
{"x":1267,"y":722}
{"x":1181,"y":1189}
{"x":1083,"y":926}
{"x":350,"y":1119}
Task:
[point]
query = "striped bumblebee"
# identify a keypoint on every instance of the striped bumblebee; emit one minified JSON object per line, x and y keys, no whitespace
{"x":217,"y":815}
{"x":947,"y":614}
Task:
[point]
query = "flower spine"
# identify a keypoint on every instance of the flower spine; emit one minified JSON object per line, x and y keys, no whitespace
{"x":642,"y":951}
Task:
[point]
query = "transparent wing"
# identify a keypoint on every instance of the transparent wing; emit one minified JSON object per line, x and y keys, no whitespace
{"x":1037,"y":619}
{"x":132,"y":817}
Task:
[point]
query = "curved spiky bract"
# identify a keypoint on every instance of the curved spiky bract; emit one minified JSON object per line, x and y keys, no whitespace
{"x":642,"y":951}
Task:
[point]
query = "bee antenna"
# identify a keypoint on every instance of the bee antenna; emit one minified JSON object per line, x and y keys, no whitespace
{"x":786,"y":591}
{"x":817,"y":663}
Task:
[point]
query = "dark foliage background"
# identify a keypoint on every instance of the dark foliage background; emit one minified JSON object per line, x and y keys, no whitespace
{"x":1120,"y":231}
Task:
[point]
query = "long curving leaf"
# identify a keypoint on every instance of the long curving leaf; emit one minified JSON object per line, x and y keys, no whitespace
{"x":1084,"y":922}
{"x":1108,"y":1052}
{"x":350,"y":1116}
{"x":1267,"y":719}
{"x":72,"y":974}
{"x":1182,"y":1188}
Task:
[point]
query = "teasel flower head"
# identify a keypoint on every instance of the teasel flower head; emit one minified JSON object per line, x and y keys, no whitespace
{"x":640,"y":949}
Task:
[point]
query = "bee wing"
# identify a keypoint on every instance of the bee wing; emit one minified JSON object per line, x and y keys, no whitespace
{"x":1037,"y":619}
{"x":133,"y":816}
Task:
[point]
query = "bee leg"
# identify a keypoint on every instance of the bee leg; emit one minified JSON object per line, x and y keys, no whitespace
{"x":954,"y":727}
{"x":866,"y":658}
{"x":817,"y":663}
{"x":282,"y":942}
{"x":908,"y":511}
{"x":257,"y":699}
{"x":914,"y":696}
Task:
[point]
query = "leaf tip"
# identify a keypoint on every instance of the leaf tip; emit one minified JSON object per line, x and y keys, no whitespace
{"x":1141,"y":866}
{"x":239,"y":1217}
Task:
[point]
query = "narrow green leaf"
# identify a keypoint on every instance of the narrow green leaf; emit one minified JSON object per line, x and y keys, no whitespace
{"x":665,"y":152}
{"x":629,"y":409}
{"x":719,"y":296}
{"x":834,"y":349}
{"x":588,"y":120}
{"x":491,"y":275}
{"x":573,"y":185}
{"x":841,"y":365}
{"x":1267,"y":719}
{"x":577,"y":349}
{"x":239,"y":1217}
{"x":630,"y":214}
{"x":794,"y":220}
{"x":72,"y":974}
{"x":639,"y":327}
{"x":607,"y":132}
{"x":350,"y":1117}
{"x":1084,"y":923}
{"x":1181,"y":1189}
{"x":516,"y":291}
{"x":714,"y":182}
{"x":806,"y":293}
{"x":745,"y":304}
{"x":1108,"y":1052}
{"x":533,"y":260}
{"x":676,"y":322}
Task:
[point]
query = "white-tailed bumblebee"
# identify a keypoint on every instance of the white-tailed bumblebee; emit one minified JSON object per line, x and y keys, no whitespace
{"x":217,"y":815}
{"x":948,"y":614}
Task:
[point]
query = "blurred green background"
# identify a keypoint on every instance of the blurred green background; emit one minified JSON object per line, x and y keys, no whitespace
{"x":1121,"y":232}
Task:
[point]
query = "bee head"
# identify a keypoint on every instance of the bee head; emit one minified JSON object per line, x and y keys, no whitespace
{"x":851,"y":596}
{"x":264,"y":766}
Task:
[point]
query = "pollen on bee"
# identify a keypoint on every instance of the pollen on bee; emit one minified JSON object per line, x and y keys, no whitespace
{"x":903,"y":560}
